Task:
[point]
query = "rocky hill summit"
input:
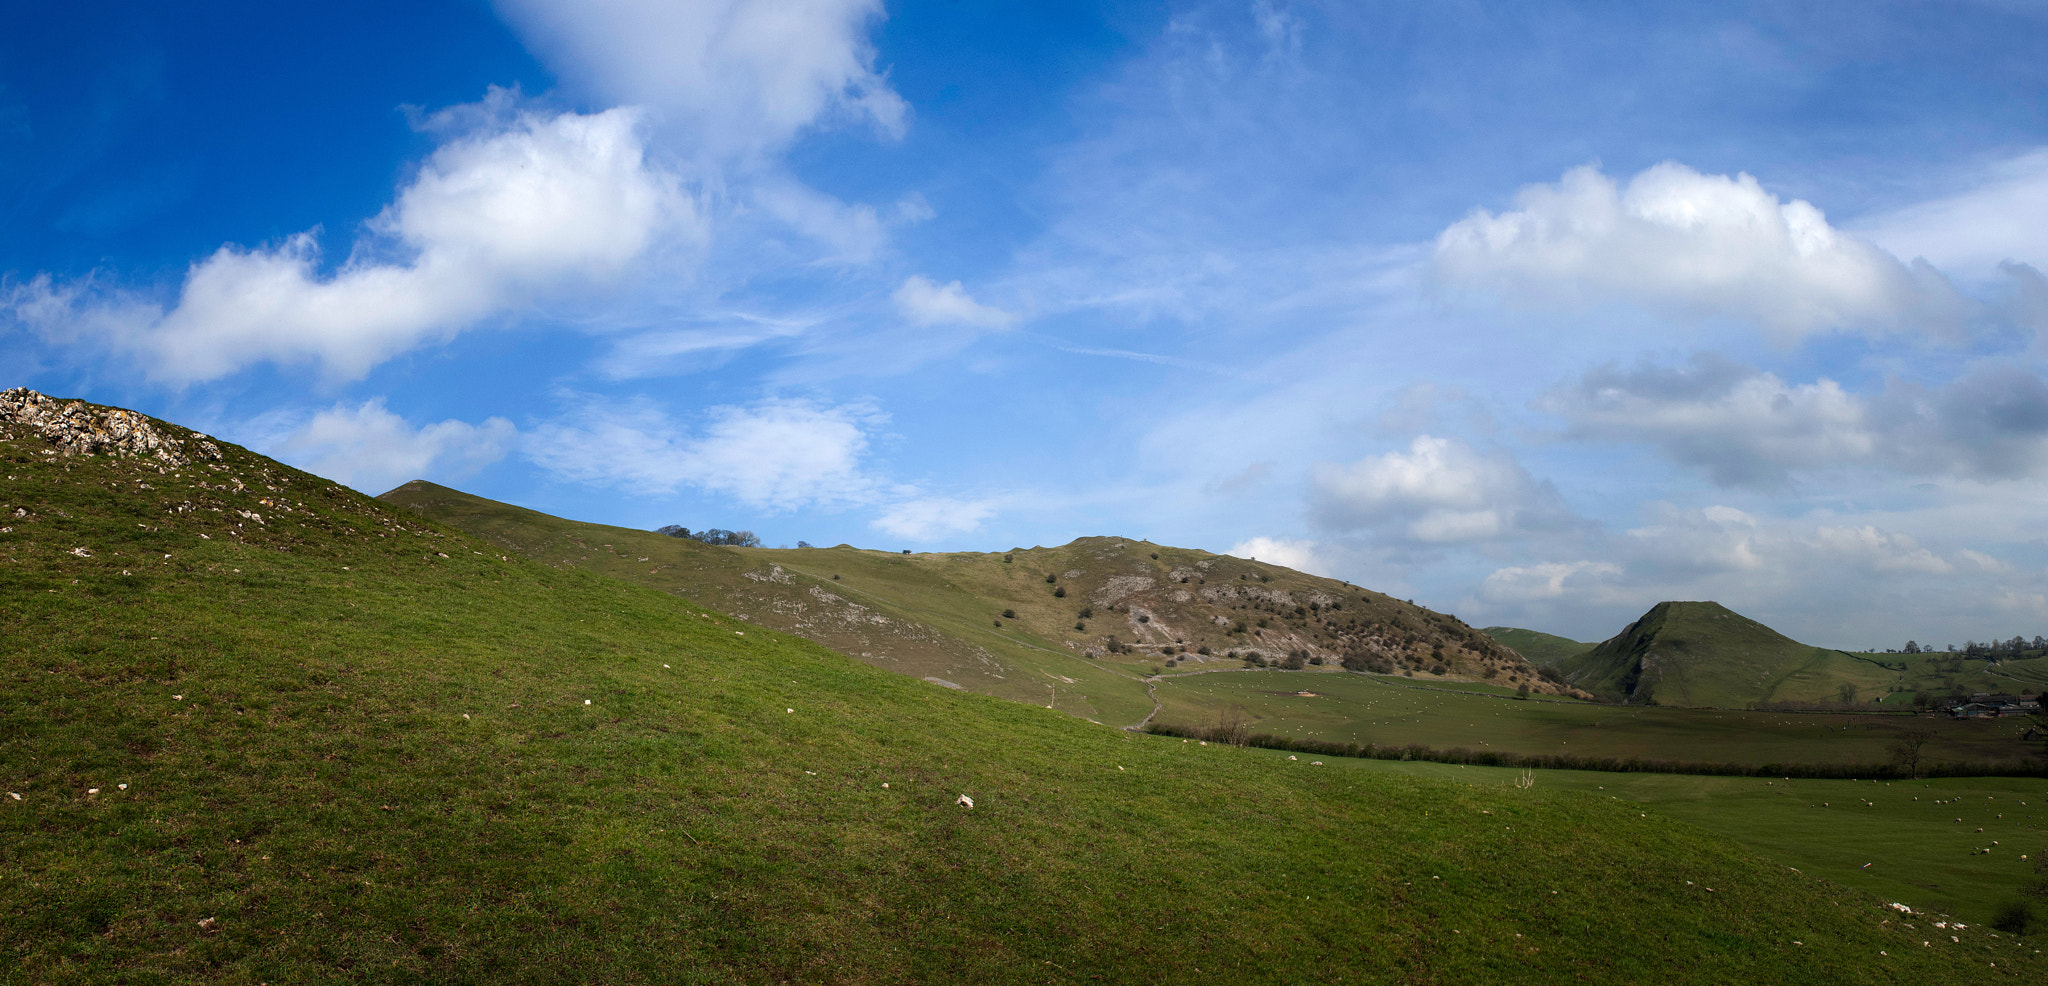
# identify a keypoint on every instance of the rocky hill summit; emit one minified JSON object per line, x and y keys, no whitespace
{"x":78,"y":428}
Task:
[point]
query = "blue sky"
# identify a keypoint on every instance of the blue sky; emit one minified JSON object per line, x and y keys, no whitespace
{"x":1537,"y":313}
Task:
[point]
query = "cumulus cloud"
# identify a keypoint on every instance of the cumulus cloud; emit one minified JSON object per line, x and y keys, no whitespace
{"x":930,"y":518}
{"x":1691,"y":244}
{"x":1440,"y":491}
{"x":1302,"y":556}
{"x":774,"y":454}
{"x":1745,"y":427}
{"x":1546,"y":581}
{"x":740,"y":77}
{"x":371,"y":449}
{"x":496,"y":218}
{"x":924,"y":303}
{"x":1725,"y":540}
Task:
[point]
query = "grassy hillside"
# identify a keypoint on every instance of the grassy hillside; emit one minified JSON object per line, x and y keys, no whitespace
{"x":1704,"y":654}
{"x":1966,"y":846}
{"x":1088,"y":622}
{"x":1540,"y":648}
{"x":266,"y":730}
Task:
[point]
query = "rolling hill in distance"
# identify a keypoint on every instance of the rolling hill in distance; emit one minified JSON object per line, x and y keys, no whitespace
{"x":1705,"y":655}
{"x":265,"y":729}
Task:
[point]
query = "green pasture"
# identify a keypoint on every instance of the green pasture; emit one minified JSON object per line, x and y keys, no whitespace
{"x":338,"y":744}
{"x":1391,"y":710}
{"x":1955,"y":846}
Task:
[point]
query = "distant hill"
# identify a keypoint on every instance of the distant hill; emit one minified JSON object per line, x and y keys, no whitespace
{"x":1089,"y":620}
{"x":1705,"y":654}
{"x":1540,"y":648}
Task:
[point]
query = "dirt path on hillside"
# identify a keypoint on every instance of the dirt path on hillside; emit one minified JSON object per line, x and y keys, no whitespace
{"x":1151,"y":692}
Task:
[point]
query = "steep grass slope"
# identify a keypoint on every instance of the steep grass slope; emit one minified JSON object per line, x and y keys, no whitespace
{"x":1704,"y":654}
{"x":1087,"y":622}
{"x":265,"y":730}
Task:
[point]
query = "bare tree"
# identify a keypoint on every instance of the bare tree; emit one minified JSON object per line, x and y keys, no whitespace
{"x":1233,"y":726}
{"x":1907,"y":748}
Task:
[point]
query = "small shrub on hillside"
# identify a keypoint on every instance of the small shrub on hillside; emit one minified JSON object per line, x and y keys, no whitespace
{"x":1550,"y":674}
{"x":1078,"y":625}
{"x":1006,"y":559}
{"x":997,"y":622}
{"x":1315,"y":660}
{"x":1144,"y":617}
{"x":1009,"y":614}
{"x":1086,"y":612}
{"x":1155,"y":556}
{"x":1059,"y":592}
{"x":1492,"y":671}
{"x":1293,"y":662}
{"x":2016,"y":917}
{"x":1439,"y":670}
{"x":1049,"y":577}
{"x":1203,"y":650}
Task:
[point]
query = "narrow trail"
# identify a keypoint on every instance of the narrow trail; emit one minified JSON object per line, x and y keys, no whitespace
{"x":1152,"y":692}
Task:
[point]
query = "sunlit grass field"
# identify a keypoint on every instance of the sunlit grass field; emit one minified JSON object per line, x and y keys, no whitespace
{"x":1392,"y":710}
{"x":336,"y":744}
{"x":1962,"y":846}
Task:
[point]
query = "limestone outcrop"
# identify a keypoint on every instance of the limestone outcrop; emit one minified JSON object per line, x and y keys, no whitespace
{"x":78,"y":428}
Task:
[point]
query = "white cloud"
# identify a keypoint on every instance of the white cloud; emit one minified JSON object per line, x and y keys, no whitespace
{"x":1681,"y":242}
{"x":741,"y":78}
{"x":924,"y":303}
{"x":774,"y":454}
{"x":930,"y":518}
{"x":1746,"y":427}
{"x":1742,"y":425}
{"x":371,"y":449}
{"x":1545,"y":580}
{"x":1725,"y":540}
{"x":2002,"y":216}
{"x":1302,"y":556}
{"x":493,"y":220}
{"x":1439,"y":491}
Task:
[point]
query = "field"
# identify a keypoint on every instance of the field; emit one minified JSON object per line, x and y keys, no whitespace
{"x":1353,"y":708}
{"x":1959,"y":846}
{"x":264,"y":730}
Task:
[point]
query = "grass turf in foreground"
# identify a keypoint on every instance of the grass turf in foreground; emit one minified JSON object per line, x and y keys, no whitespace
{"x":1961,"y":846}
{"x":383,"y":756}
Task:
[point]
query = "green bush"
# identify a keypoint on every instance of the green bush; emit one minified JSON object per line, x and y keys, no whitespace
{"x":2016,"y":917}
{"x":1009,"y":614}
{"x":1059,"y":592}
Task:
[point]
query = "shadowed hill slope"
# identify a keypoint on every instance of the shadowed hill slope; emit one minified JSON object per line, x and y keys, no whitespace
{"x":1086,"y":622}
{"x":263,"y":729}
